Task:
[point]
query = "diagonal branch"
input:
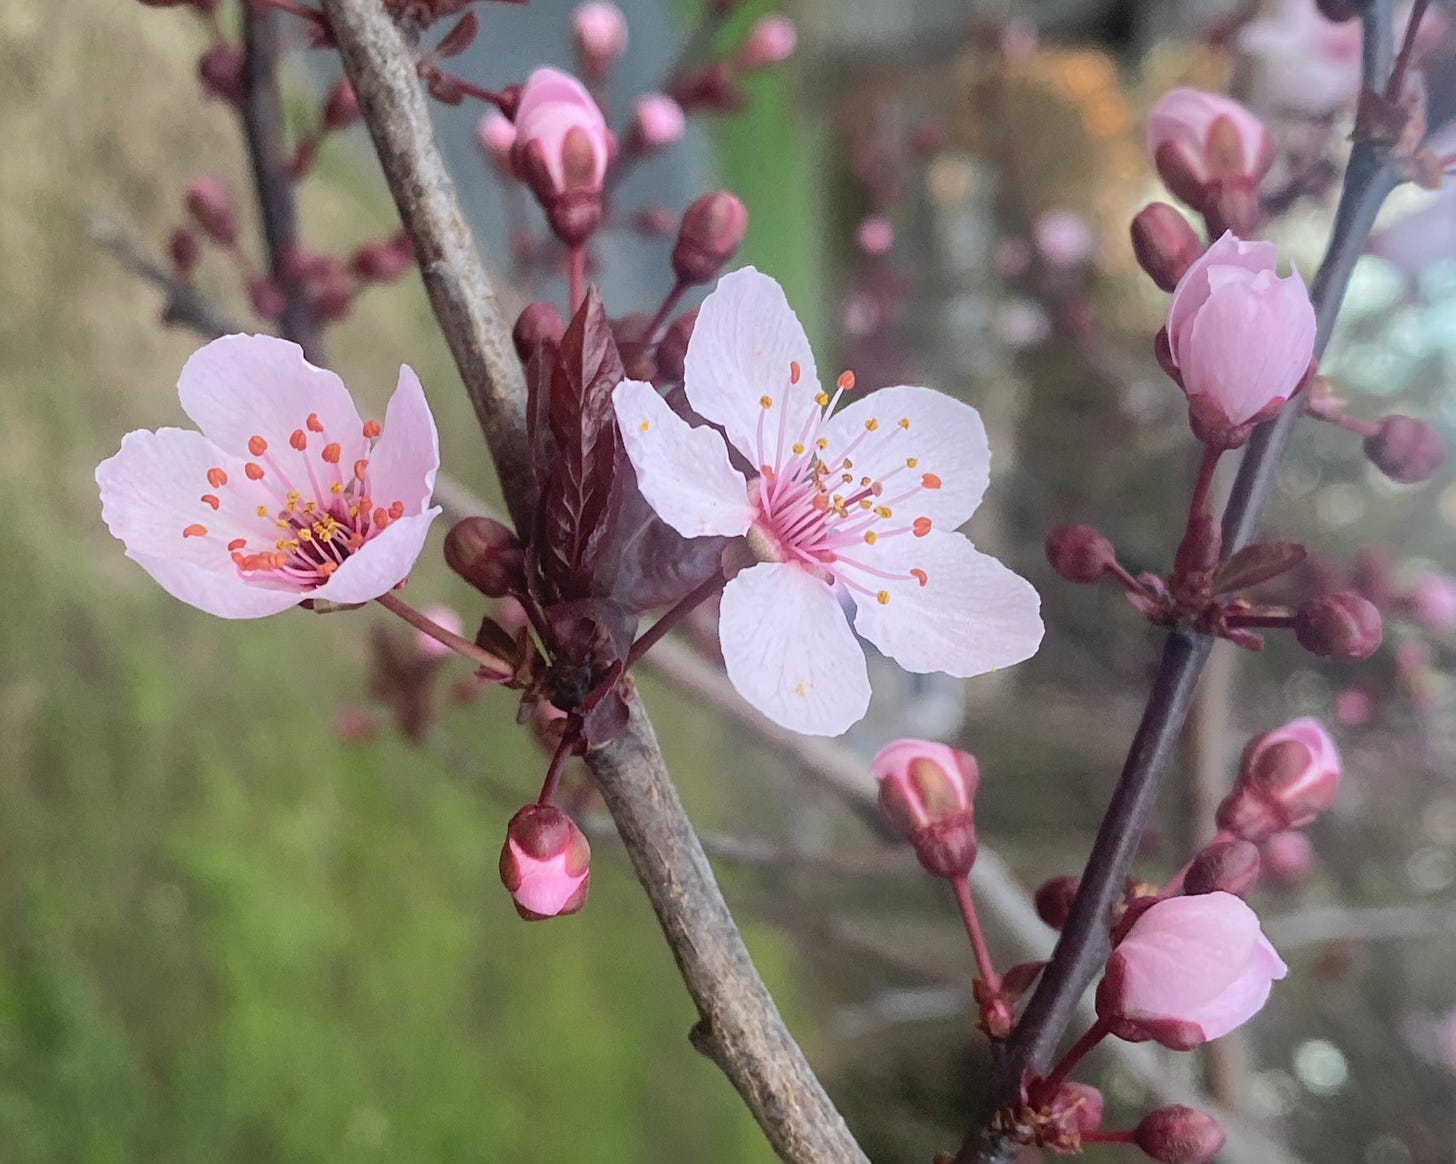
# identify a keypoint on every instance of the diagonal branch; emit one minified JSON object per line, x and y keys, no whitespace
{"x":740,"y":1027}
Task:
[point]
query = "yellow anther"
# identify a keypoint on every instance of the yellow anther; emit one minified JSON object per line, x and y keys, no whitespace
{"x":281,"y":544}
{"x":283,"y":524}
{"x":765,"y":401}
{"x":883,"y":511}
{"x":847,"y":478}
{"x":911,"y":462}
{"x":904,"y":422}
{"x":871,"y":537}
{"x":309,"y":506}
{"x":865,"y":482}
{"x":821,"y":444}
{"x":872,"y":424}
{"x":262,"y":511}
{"x":336,"y":488}
{"x":644,"y":426}
{"x":865,"y":504}
{"x":306,"y":534}
{"x":821,"y":399}
{"x":848,"y":464}
{"x":883,"y":598}
{"x":798,"y":448}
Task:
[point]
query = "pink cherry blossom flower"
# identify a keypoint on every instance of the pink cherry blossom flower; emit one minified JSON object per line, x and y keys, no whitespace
{"x":284,"y":495}
{"x":1308,"y":64}
{"x":555,"y":107}
{"x":1240,"y":338}
{"x":1197,"y":138}
{"x":600,"y":32}
{"x":1190,"y":969}
{"x":1287,"y":778}
{"x":858,"y":506}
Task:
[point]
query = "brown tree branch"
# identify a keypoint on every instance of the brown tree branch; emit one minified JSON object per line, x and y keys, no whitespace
{"x":740,"y":1028}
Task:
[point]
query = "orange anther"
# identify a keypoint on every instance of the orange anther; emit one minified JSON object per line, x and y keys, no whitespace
{"x":380,"y":518}
{"x":331,"y":453}
{"x":216,"y":478}
{"x":361,"y":467}
{"x":846,"y":380}
{"x":254,"y":471}
{"x":313,"y":423}
{"x":299,"y":439}
{"x":396,"y":511}
{"x":372,"y":429}
{"x":195,"y":531}
{"x":209,"y":499}
{"x":327,"y":568}
{"x":921,"y":527}
{"x":820,"y":502}
{"x":257,"y":445}
{"x":237,"y":544}
{"x":794,"y":371}
{"x":920,"y":576}
{"x":239,"y":561}
{"x":930,"y":481}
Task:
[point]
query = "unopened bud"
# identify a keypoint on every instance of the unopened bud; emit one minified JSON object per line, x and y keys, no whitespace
{"x":659,"y":121}
{"x":1079,"y":553}
{"x":770,"y":41}
{"x":1341,"y":625}
{"x":384,"y":260}
{"x":1405,"y":449}
{"x":875,"y":235}
{"x":1223,"y":867}
{"x":711,"y":231}
{"x":341,"y":106}
{"x":545,"y":863}
{"x":539,"y":323}
{"x":1287,"y":857}
{"x":927,"y":791}
{"x":672,"y":349}
{"x":211,"y":205}
{"x":267,"y":299}
{"x":1165,"y":243}
{"x":1179,"y":1135}
{"x":184,"y":250}
{"x":220,"y":69}
{"x":1054,"y":900}
{"x":1077,"y":1107}
{"x":1287,"y":777}
{"x":487,"y":555}
{"x":496,"y":134}
{"x":599,"y":31}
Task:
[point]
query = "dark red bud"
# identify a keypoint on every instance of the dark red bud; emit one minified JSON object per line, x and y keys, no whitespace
{"x":1054,"y":900}
{"x":1179,"y":1135}
{"x":539,"y":323}
{"x":184,"y":249}
{"x":266,"y":298}
{"x":211,"y":205}
{"x":1079,"y":553}
{"x":1405,"y":449}
{"x":672,"y":349}
{"x":341,"y":106}
{"x":1165,"y":243}
{"x":1338,"y":11}
{"x":712,"y":229}
{"x":220,"y":69}
{"x":487,"y":555}
{"x":1341,"y":625}
{"x":382,"y":261}
{"x":1223,"y":867}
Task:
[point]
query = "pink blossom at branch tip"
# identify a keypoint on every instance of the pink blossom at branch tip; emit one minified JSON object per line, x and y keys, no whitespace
{"x":1190,"y":969}
{"x":770,"y":41}
{"x":1063,"y":238}
{"x":211,"y":205}
{"x":562,"y":150}
{"x":1287,"y":778}
{"x":1433,"y":600}
{"x":545,"y":863}
{"x":850,"y":508}
{"x":285,"y":494}
{"x":659,"y":120}
{"x":446,"y":618}
{"x":875,"y":235}
{"x":496,"y":134}
{"x":1240,"y":338}
{"x":1196,"y":138}
{"x":927,"y":792}
{"x":599,"y":31}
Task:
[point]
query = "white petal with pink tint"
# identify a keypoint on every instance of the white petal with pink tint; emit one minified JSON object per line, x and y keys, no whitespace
{"x":1194,"y":287}
{"x":406,"y":457}
{"x":789,"y":651}
{"x":240,"y":386}
{"x":744,"y":341}
{"x":1243,"y":361}
{"x":683,"y":472}
{"x":971,"y":616}
{"x":381,"y":563}
{"x":225,"y":595}
{"x":944,"y":437}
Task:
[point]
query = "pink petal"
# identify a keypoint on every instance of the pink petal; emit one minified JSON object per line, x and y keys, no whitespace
{"x":1194,"y":289}
{"x":744,"y":340}
{"x":789,"y":651}
{"x":946,"y":439}
{"x":1235,"y":1006}
{"x":973,"y":615}
{"x":683,"y":472}
{"x":547,"y":885}
{"x":1185,"y":952}
{"x":381,"y":562}
{"x":240,"y":386}
{"x":218,"y":592}
{"x":403,"y":464}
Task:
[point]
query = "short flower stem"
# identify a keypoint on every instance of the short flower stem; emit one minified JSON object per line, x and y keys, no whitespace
{"x":480,"y":93}
{"x":578,"y":276}
{"x":1206,"y":469}
{"x":662,"y":312}
{"x":982,"y":952}
{"x":558,"y":765}
{"x":1104,"y":1137}
{"x":704,"y":591}
{"x":460,"y":646}
{"x":1129,"y":583}
{"x":1407,"y":50}
{"x":1057,"y":1076}
{"x":1274,"y":619}
{"x":1353,"y":424}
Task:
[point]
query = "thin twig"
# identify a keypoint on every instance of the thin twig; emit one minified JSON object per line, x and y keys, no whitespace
{"x":182,"y":305}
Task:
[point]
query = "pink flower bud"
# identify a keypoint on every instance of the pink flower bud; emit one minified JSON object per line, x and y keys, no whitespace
{"x":267,"y":299}
{"x":659,"y":121}
{"x":431,"y":647}
{"x":220,"y":69}
{"x":1054,"y":900}
{"x":341,"y":106}
{"x":355,"y":726}
{"x":1405,"y":449}
{"x":184,"y":250}
{"x":770,"y":41}
{"x":211,"y":205}
{"x":599,"y":31}
{"x":1165,"y":244}
{"x":545,"y":863}
{"x":1189,"y":969}
{"x":1079,"y":553}
{"x":487,"y":555}
{"x":1287,"y":858}
{"x":1433,"y":601}
{"x":384,"y":260}
{"x":538,"y":323}
{"x":1287,"y":777}
{"x":711,"y":231}
{"x":1341,"y":625}
{"x":1199,"y":141}
{"x":561,"y":151}
{"x":927,"y":791}
{"x":672,"y":349}
{"x":1240,"y":338}
{"x":496,"y":134}
{"x":1223,"y":867}
{"x":875,"y":235}
{"x":1179,"y":1135}
{"x":1063,"y":239}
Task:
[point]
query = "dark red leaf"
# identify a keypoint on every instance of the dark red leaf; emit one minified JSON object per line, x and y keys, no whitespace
{"x":460,"y":37}
{"x":1257,"y":563}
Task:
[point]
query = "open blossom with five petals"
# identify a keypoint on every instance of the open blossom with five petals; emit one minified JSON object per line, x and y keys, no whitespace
{"x":856,"y":506}
{"x":285,"y":494}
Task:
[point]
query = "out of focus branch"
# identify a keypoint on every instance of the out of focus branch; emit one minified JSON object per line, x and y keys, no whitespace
{"x":1373,"y":923}
{"x":182,"y":305}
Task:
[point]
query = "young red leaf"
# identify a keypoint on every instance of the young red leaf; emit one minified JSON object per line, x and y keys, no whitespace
{"x":460,"y":37}
{"x":1257,"y":563}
